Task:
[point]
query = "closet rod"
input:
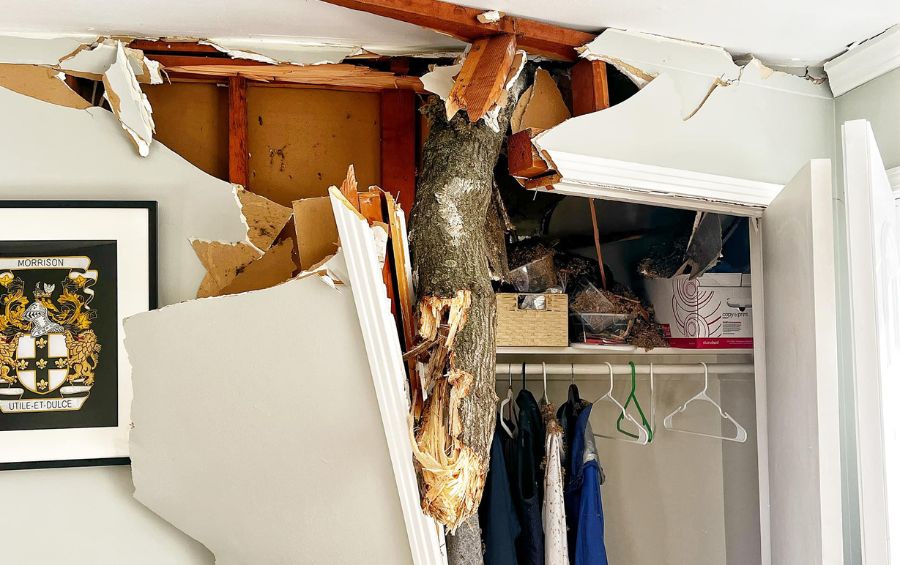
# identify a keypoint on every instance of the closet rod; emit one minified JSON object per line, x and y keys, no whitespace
{"x":558,"y":371}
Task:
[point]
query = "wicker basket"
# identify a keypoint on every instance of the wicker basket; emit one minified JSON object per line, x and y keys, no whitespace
{"x":547,"y":327}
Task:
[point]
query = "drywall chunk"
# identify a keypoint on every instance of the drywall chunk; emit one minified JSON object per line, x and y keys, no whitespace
{"x":128,"y":102}
{"x":489,"y":17}
{"x":265,"y":219}
{"x":281,"y":51}
{"x":317,"y":235}
{"x":275,"y":267}
{"x":439,"y":80}
{"x":698,"y":70}
{"x":40,"y":83}
{"x":222,"y":262}
{"x":93,"y":60}
{"x":541,"y":106}
{"x":263,"y":437}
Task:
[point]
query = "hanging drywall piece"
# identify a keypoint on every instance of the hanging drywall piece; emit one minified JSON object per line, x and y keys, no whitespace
{"x":439,"y":80}
{"x":41,"y":83}
{"x":379,"y":332}
{"x":541,"y":106}
{"x":264,"y":440}
{"x":93,"y":60}
{"x":128,"y":101}
{"x":265,"y":219}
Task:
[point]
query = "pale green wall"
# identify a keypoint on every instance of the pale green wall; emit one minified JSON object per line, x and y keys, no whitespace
{"x":879,"y":102}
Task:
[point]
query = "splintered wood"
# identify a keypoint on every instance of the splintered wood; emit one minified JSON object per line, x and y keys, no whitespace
{"x":482,"y":80}
{"x":452,"y":472}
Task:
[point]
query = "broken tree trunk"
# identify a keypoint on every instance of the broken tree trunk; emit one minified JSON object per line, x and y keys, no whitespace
{"x":456,"y":317}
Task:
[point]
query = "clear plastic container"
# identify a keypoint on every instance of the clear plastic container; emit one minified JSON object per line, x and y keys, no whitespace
{"x":536,"y":276}
{"x":596,"y":327}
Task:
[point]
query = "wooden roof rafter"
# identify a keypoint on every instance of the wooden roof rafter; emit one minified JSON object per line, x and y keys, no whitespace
{"x":535,"y":37}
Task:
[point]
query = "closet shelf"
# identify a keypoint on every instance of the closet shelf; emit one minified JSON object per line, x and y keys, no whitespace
{"x":624,"y":350}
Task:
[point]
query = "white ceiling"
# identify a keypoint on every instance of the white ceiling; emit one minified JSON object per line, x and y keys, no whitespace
{"x":784,"y":32}
{"x":787,"y":32}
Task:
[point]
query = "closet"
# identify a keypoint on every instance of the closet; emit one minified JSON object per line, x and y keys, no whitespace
{"x":762,"y":488}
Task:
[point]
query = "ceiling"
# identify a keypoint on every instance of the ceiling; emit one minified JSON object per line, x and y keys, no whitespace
{"x":784,"y":32}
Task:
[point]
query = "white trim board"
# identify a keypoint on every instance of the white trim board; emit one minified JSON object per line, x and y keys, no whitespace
{"x":864,"y":62}
{"x":609,"y":179}
{"x":894,"y":179}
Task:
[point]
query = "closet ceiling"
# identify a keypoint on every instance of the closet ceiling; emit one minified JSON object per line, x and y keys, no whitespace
{"x":791,"y":33}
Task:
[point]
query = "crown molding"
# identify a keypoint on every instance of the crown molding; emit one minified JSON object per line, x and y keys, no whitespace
{"x":864,"y":62}
{"x":626,"y":181}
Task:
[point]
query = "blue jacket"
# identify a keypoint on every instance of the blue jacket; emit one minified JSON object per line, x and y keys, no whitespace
{"x":584,"y":508}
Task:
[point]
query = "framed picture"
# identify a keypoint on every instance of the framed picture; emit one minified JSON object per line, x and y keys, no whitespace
{"x":70,"y":271}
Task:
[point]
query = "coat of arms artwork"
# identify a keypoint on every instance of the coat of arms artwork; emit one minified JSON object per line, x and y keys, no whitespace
{"x":53,"y":327}
{"x":70,"y":271}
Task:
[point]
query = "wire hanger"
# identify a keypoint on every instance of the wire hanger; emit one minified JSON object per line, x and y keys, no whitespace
{"x":740,"y":433}
{"x":632,"y":399}
{"x":508,"y":401}
{"x":642,"y":438}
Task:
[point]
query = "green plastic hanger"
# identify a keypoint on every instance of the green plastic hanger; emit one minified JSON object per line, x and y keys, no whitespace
{"x":632,"y":398}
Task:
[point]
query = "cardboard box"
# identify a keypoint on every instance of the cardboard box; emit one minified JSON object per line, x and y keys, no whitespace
{"x":713,"y":311}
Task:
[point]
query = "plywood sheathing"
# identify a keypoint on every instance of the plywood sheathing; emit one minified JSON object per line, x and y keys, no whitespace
{"x":317,"y":235}
{"x":192,"y":120}
{"x":298,"y":139}
{"x":42,"y":84}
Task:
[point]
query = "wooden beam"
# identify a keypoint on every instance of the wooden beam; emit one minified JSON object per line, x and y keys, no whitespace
{"x":398,"y":146}
{"x":151,"y":46}
{"x":481,"y":80}
{"x":341,"y":74}
{"x":238,"y":156}
{"x":537,"y":38}
{"x":188,"y":60}
{"x":522,"y":157}
{"x":590,"y":91}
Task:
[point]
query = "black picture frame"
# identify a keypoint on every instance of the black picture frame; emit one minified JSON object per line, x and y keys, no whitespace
{"x":152,"y":209}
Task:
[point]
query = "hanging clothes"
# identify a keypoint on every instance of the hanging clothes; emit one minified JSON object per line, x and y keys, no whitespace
{"x":584,"y":507}
{"x":497,"y":515}
{"x":556,"y":545}
{"x":528,"y":453}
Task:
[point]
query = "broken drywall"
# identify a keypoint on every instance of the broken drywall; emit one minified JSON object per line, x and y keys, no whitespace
{"x":93,"y":60}
{"x":281,"y":51}
{"x":697,"y":69}
{"x":60,"y":153}
{"x":40,"y":83}
{"x":541,"y":106}
{"x":273,"y":446}
{"x":128,"y":102}
{"x":265,"y":219}
{"x":762,"y":127}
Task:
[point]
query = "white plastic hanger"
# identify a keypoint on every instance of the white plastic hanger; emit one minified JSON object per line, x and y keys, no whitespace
{"x":643,"y":435}
{"x":508,"y":401}
{"x":740,"y":433}
{"x":544,"y":399}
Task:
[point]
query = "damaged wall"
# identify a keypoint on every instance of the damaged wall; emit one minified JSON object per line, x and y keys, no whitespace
{"x":697,"y":110}
{"x":56,"y":152}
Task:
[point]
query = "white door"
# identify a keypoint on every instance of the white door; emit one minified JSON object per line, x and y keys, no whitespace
{"x":801,"y":371}
{"x":874,"y":277}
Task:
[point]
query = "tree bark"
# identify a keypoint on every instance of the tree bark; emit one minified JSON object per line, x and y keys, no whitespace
{"x":456,"y":311}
